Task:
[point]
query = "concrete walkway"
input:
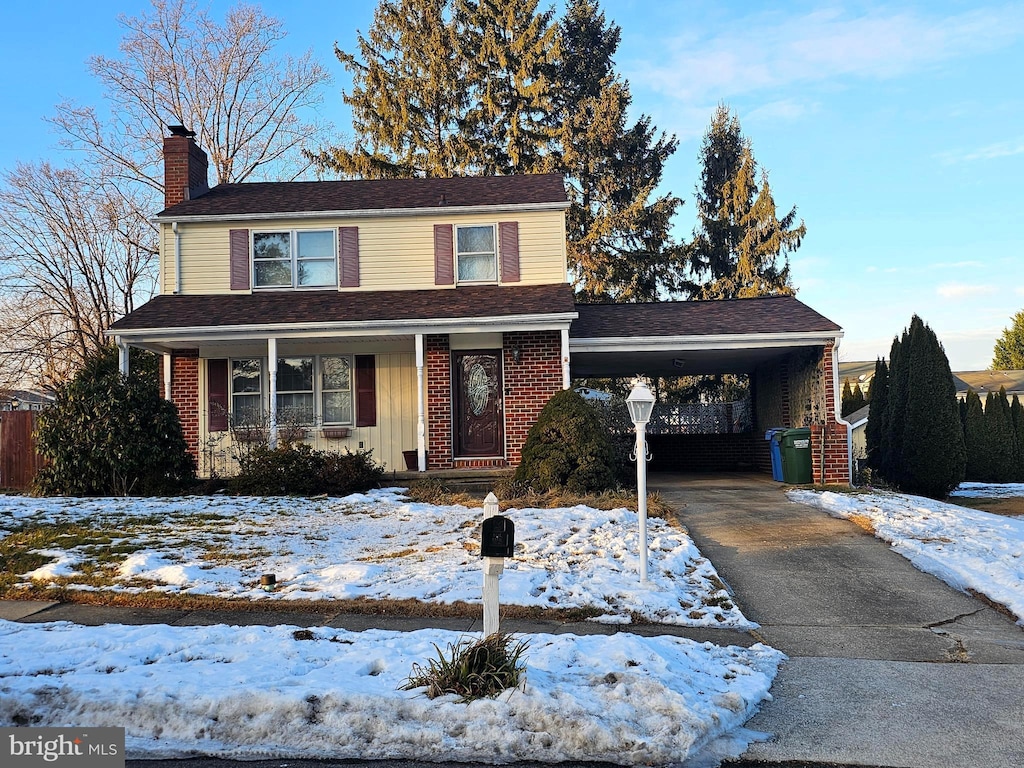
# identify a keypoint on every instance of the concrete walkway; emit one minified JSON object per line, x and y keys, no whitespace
{"x":888,"y":666}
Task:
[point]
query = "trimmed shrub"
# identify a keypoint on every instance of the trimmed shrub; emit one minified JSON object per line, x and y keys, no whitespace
{"x":298,"y":470}
{"x":108,"y":435}
{"x":1003,"y":457}
{"x":568,"y":448}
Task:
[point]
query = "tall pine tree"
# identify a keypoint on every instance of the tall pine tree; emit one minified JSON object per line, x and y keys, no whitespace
{"x":741,"y":247}
{"x":508,"y":47}
{"x":409,"y":97}
{"x":876,"y":416}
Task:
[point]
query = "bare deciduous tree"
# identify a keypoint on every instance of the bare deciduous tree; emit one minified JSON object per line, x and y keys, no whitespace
{"x":223,"y":81}
{"x":74,"y":256}
{"x":77,"y":249}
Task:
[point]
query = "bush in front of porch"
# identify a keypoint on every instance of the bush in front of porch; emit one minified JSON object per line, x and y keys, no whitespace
{"x":298,"y":470}
{"x":569,"y":448}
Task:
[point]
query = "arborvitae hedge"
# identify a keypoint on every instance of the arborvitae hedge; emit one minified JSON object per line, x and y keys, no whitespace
{"x":1017,"y":417}
{"x":976,"y":439}
{"x":1003,"y":459}
{"x":876,"y":416}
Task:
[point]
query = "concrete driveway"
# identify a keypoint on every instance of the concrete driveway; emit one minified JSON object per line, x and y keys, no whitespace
{"x":887,"y":665}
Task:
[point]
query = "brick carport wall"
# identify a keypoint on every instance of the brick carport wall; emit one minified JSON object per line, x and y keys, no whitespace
{"x":829,"y":440}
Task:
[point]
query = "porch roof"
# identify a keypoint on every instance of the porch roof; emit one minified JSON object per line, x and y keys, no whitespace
{"x":168,"y":321}
{"x":679,"y":338}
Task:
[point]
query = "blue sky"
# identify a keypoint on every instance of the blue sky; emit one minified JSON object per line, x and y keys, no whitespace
{"x":897,"y":129}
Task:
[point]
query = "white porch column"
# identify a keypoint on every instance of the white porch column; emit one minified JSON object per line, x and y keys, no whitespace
{"x":272,"y":406}
{"x":167,"y":375}
{"x":565,"y":359}
{"x":122,"y":356}
{"x":421,"y":423}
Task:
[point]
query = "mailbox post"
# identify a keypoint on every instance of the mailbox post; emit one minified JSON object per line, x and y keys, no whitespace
{"x":497,"y":542}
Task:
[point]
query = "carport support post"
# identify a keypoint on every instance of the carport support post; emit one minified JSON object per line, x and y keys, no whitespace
{"x":493,"y":566}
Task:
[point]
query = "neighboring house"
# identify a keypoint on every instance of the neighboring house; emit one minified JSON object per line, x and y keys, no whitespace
{"x":25,"y":400}
{"x":983,"y":382}
{"x":857,"y":372}
{"x":858,"y":421}
{"x":429,"y":320}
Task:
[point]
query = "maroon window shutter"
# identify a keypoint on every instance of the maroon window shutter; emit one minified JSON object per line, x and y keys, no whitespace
{"x":348,"y":256}
{"x":366,"y":391}
{"x":508,"y":241}
{"x":444,"y":255}
{"x":217,"y":394}
{"x":239,"y":239}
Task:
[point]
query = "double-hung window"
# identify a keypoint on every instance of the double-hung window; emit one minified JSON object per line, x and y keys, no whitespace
{"x":310,"y":390}
{"x":475,"y":254}
{"x":294,"y":259}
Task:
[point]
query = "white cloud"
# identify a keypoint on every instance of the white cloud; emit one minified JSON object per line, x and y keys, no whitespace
{"x":770,"y":50}
{"x":963,"y":290}
{"x":994,"y":151}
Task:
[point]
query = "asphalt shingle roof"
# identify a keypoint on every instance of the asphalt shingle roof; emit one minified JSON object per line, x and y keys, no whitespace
{"x":280,"y":307}
{"x":369,"y":195}
{"x":774,"y":314}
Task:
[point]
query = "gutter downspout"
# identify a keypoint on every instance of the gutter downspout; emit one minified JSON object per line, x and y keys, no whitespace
{"x":177,"y":259}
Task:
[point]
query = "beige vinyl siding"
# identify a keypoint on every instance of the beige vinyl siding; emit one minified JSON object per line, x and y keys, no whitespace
{"x":395,"y":253}
{"x":395,"y":431}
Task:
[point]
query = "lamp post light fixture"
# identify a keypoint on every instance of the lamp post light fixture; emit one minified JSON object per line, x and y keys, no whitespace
{"x":641,"y":404}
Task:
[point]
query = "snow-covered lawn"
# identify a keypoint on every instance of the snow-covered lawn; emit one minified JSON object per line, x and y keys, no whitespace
{"x":966,"y":548}
{"x":253,"y":692}
{"x":378,"y":545}
{"x":257,"y":692}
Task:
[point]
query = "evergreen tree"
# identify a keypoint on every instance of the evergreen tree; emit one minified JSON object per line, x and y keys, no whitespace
{"x":410,"y":96}
{"x":847,"y":398}
{"x":1017,"y":417}
{"x":619,"y":230}
{"x":976,"y":439}
{"x":741,"y":247}
{"x":1009,"y":350}
{"x":879,"y":401}
{"x":932,"y":455}
{"x":465,"y":87}
{"x":891,"y":434}
{"x":858,"y":399}
{"x":508,"y":47}
{"x":1003,"y":456}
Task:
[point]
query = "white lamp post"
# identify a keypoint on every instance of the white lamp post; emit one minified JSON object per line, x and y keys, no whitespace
{"x":641,"y":403}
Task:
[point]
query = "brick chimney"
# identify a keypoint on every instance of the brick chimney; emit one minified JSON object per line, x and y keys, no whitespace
{"x":185,"y":167}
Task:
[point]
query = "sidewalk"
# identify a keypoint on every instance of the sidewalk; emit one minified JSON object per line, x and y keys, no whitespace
{"x":888,"y":666}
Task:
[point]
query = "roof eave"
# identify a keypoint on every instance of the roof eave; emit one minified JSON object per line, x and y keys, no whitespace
{"x":719,"y":341}
{"x":366,"y":213}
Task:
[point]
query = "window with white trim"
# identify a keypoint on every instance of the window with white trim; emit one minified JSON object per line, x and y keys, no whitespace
{"x":475,"y":254}
{"x":295,"y":259}
{"x":310,"y":391}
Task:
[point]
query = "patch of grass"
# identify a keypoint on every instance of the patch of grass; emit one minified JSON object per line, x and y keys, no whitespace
{"x":1008,"y":507}
{"x":472,"y":670}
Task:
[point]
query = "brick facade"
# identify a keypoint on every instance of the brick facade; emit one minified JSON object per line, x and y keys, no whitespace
{"x":830,"y":458}
{"x":185,"y":395}
{"x":529,"y":384}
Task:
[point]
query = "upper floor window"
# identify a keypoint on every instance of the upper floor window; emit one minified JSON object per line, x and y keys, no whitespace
{"x":294,"y":259}
{"x":475,"y":254}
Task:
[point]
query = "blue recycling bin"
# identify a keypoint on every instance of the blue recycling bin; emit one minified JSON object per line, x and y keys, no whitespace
{"x":774,"y":438}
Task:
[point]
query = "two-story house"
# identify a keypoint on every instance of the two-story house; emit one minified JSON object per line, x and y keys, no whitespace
{"x":431,"y":318}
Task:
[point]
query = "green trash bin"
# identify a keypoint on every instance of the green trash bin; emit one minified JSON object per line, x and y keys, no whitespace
{"x":796,"y":456}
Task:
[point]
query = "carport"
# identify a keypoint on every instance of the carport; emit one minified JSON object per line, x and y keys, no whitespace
{"x":788,"y":350}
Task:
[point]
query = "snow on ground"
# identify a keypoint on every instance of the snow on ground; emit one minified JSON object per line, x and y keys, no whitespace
{"x":966,"y":548}
{"x":989,"y":490}
{"x":381,"y":545}
{"x":266,"y":692}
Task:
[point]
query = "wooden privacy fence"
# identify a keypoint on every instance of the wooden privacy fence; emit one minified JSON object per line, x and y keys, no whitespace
{"x":19,"y":460}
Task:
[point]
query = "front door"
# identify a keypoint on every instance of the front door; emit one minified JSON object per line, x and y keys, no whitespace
{"x":477,"y":404}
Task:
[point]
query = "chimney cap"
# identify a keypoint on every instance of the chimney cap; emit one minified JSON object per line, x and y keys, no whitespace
{"x":181,"y":130}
